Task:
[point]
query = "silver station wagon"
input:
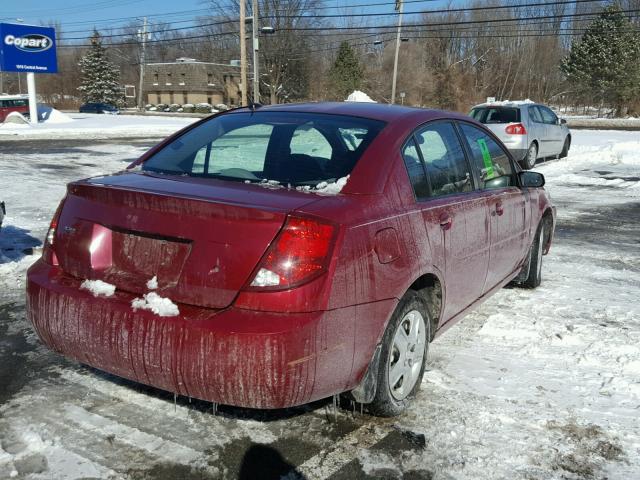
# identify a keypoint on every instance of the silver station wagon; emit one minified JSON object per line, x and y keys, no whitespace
{"x":529,"y":130}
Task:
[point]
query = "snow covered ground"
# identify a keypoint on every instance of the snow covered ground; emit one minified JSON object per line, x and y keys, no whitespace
{"x":88,"y":125}
{"x":534,"y":385}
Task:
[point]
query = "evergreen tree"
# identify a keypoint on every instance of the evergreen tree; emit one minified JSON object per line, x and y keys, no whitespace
{"x":604,"y":65}
{"x":346,"y":74}
{"x":100,"y":78}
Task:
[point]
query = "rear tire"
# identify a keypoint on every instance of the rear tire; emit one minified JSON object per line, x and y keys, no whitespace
{"x":403,"y":357}
{"x":565,"y":148}
{"x":530,"y":158}
{"x":535,"y":264}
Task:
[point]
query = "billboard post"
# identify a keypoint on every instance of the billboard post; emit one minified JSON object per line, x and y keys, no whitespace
{"x":31,"y":90}
{"x":31,"y":49}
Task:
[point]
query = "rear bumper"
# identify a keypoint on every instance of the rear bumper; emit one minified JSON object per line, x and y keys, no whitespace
{"x":232,"y":356}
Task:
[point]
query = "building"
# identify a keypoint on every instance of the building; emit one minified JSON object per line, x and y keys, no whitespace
{"x":189,"y":81}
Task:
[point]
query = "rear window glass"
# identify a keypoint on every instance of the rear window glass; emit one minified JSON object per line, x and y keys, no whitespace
{"x":496,"y":115}
{"x":290,"y":148}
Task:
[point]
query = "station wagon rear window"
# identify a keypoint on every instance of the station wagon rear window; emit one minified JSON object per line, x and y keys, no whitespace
{"x":286,"y":148}
{"x":496,"y":114}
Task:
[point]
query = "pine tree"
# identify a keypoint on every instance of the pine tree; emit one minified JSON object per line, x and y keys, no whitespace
{"x":100,"y":78}
{"x":604,"y":65}
{"x":346,"y":74}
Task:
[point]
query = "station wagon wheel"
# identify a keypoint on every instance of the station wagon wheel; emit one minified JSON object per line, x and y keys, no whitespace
{"x":403,"y":356}
{"x":565,"y":147}
{"x":531,"y":157}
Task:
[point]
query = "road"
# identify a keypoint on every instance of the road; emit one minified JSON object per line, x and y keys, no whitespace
{"x":537,"y":384}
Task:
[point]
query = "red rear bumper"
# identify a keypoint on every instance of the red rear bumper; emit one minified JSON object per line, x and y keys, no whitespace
{"x":232,"y":356}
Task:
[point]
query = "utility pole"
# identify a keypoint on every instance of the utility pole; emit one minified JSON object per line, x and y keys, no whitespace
{"x":395,"y":60}
{"x":143,"y":36}
{"x":254,"y":29}
{"x":243,"y":55}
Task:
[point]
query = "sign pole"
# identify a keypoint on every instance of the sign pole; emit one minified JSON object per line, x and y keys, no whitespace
{"x":31,"y":89}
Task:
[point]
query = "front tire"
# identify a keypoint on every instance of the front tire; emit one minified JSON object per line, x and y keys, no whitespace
{"x":565,"y":148}
{"x":535,"y":264}
{"x":530,"y":158}
{"x":403,"y":357}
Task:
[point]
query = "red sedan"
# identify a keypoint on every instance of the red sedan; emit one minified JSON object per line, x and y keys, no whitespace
{"x":271,"y":257}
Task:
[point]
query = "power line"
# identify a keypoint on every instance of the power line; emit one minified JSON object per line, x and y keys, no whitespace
{"x":335,"y":28}
{"x":354,"y":28}
{"x":207,"y":10}
{"x":82,"y":8}
{"x":459,"y":22}
{"x":375,"y":14}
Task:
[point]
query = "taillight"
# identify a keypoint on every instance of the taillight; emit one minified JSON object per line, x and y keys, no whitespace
{"x":299,"y":254}
{"x":516,"y":129}
{"x":48,"y":255}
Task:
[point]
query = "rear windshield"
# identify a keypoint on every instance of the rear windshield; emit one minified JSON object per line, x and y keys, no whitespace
{"x":286,"y":148}
{"x":496,"y":114}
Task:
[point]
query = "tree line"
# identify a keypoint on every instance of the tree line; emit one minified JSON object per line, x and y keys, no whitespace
{"x":566,"y":53}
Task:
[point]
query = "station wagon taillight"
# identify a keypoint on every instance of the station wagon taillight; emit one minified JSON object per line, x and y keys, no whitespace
{"x":516,"y":129}
{"x":300,"y":253}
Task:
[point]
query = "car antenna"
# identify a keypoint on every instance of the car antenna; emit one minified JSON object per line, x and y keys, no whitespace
{"x":254,"y":105}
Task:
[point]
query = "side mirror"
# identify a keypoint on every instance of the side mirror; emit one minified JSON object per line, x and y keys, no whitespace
{"x":563,"y":121}
{"x":531,"y":179}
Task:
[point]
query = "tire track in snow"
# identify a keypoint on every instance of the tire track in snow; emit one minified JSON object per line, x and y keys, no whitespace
{"x":155,"y":445}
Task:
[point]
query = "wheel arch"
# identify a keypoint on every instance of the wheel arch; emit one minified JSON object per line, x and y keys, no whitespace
{"x":548,"y":222}
{"x":429,"y":287}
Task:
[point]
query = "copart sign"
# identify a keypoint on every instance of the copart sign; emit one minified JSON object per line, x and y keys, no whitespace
{"x":26,"y":48}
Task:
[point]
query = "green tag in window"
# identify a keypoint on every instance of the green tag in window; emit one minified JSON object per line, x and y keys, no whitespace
{"x":486,"y":157}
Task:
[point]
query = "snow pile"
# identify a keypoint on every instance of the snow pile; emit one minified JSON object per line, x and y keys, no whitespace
{"x":51,"y":115}
{"x":153,"y":283}
{"x":358,"y":96}
{"x":17,"y":118}
{"x":332,"y":188}
{"x":162,"y":307}
{"x":99,"y":288}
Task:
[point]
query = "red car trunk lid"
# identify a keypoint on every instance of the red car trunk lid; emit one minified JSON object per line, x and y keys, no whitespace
{"x":201,"y":238}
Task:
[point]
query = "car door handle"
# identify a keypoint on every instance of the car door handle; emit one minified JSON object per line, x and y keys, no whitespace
{"x":499,"y":209}
{"x":445,"y":221}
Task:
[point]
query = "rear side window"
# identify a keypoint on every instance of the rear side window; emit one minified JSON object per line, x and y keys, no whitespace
{"x":496,"y":115}
{"x":447,"y":168}
{"x":534,"y":113}
{"x":548,"y":116}
{"x":286,"y":148}
{"x":489,"y":159}
{"x":415,"y":169}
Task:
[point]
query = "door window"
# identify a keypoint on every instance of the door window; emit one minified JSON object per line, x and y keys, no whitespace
{"x":447,"y":168}
{"x":534,"y":114}
{"x":415,"y":169}
{"x":548,"y":116}
{"x":489,"y":159}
